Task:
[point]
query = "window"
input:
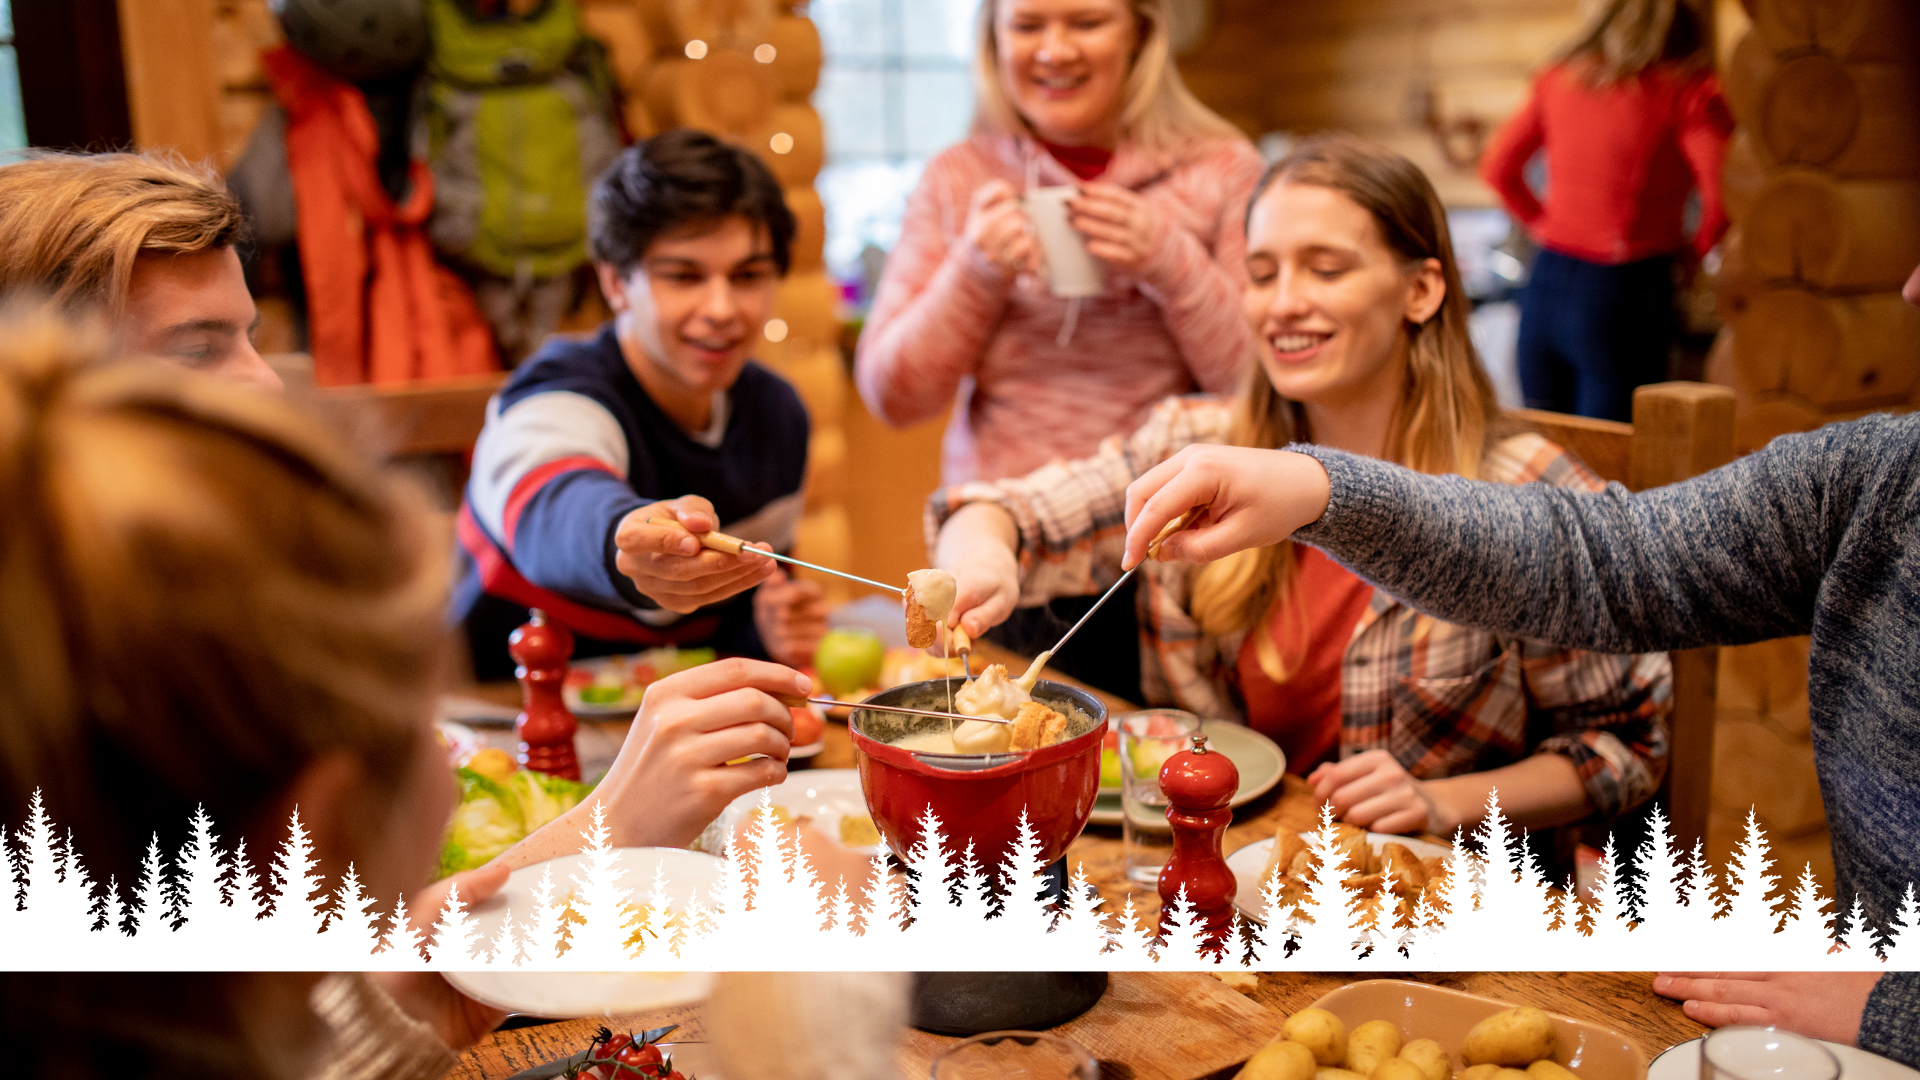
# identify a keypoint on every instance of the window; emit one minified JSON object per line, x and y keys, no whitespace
{"x":13,"y":124}
{"x":896,"y":88}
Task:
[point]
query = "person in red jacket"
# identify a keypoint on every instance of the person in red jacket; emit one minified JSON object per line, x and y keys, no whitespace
{"x":1631,"y":121}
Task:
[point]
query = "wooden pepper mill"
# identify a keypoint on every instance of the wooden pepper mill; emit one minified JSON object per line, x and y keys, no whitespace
{"x":545,"y":727}
{"x":1199,"y":785}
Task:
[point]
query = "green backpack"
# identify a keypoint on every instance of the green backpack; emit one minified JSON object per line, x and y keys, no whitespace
{"x":518,"y":123}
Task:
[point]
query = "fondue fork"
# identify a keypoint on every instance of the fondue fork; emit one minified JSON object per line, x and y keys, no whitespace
{"x":1153,"y":551}
{"x":733,"y":545}
{"x":795,"y":701}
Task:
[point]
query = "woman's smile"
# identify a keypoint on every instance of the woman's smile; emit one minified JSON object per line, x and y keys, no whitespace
{"x":1298,"y":346}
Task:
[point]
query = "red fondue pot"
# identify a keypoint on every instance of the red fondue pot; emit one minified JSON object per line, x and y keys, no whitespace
{"x":978,"y":797}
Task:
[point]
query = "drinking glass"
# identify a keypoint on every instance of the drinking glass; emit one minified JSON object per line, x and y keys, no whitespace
{"x":1147,"y":740}
{"x":1015,"y":1055}
{"x":1764,"y":1053}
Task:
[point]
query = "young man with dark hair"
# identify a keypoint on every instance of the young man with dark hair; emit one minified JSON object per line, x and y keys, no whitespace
{"x":602,"y":458}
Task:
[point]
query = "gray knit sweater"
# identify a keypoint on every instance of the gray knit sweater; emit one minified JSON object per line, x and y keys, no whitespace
{"x":1817,"y":534}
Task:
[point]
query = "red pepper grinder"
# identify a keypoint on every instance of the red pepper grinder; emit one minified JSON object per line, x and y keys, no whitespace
{"x":1199,"y":784}
{"x":542,"y":649}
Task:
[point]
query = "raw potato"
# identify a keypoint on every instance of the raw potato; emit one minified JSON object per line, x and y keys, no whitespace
{"x":1321,"y":1032}
{"x":1336,"y":1074}
{"x":1278,"y":1060}
{"x":1479,"y":1072}
{"x":1510,"y":1074}
{"x":1398,"y":1068}
{"x":1431,"y":1057}
{"x":1370,"y":1044}
{"x":1548,"y":1069}
{"x":1514,"y":1037}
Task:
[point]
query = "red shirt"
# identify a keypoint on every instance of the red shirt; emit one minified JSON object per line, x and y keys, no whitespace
{"x":1311,"y":630}
{"x":1620,"y":162}
{"x":1085,"y":162}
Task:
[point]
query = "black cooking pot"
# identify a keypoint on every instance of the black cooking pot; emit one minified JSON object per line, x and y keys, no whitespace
{"x":970,"y":1002}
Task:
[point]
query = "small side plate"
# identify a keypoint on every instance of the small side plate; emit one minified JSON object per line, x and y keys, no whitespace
{"x":1260,"y":761}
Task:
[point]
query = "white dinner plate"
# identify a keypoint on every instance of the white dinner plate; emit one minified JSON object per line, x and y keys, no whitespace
{"x":567,"y":994}
{"x":825,"y":795}
{"x":1259,"y":760}
{"x":1682,"y":1062}
{"x":1247,"y":863}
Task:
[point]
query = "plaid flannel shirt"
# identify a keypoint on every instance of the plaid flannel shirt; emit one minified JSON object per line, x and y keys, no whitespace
{"x":1443,"y":699}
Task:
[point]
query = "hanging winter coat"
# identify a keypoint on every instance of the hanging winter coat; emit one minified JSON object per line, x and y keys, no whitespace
{"x":380,"y":309}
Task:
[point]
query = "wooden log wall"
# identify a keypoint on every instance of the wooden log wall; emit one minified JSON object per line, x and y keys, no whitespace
{"x":1823,"y":185}
{"x":1429,"y":78}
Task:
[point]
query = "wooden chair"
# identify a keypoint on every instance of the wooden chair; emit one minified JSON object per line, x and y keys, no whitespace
{"x":428,"y":426}
{"x":1679,"y":430}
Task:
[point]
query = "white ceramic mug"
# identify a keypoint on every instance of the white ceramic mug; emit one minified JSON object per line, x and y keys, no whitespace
{"x":1071,"y":270}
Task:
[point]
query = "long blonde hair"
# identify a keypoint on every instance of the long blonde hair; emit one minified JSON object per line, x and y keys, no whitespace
{"x":71,"y":225}
{"x":204,"y":592}
{"x":1442,"y":423}
{"x":1159,"y":111}
{"x":1622,"y":38}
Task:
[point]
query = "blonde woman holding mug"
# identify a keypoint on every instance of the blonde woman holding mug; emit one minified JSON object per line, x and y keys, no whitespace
{"x":1081,"y":93}
{"x":1405,"y":724}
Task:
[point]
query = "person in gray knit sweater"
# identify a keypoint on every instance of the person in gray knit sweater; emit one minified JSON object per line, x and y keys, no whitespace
{"x":1817,"y":534}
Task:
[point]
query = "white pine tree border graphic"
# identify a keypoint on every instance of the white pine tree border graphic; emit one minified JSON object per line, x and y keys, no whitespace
{"x":207,"y":908}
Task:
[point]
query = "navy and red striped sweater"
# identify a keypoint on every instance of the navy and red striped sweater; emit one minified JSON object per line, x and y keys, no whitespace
{"x":572,"y":444}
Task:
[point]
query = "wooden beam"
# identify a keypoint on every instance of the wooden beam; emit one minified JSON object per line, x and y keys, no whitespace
{"x":1681,"y":429}
{"x":440,"y":417}
{"x":172,"y":85}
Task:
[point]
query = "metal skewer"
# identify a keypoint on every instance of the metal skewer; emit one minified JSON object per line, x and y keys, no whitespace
{"x":1153,"y":551}
{"x":795,"y":701}
{"x":733,"y":545}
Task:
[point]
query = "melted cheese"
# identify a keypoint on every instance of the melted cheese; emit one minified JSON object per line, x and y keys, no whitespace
{"x":992,"y":694}
{"x":933,"y":590}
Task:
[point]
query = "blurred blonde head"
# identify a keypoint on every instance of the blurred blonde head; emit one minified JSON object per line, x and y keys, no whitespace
{"x":71,"y":225}
{"x":1157,"y":110}
{"x":1622,"y":38}
{"x":206,"y":595}
{"x":1441,"y":423}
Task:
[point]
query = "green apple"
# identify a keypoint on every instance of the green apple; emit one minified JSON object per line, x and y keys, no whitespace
{"x":849,"y":660}
{"x":1149,"y":756}
{"x":1110,"y":768}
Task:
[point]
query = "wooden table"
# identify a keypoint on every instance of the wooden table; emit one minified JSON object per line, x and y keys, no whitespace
{"x":1620,"y":1000}
{"x":1624,"y":1001}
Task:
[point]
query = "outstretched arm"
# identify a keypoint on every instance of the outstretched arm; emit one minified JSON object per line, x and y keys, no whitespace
{"x":1733,"y":556}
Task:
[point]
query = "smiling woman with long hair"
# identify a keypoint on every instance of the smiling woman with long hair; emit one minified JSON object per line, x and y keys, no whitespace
{"x":1405,"y":723}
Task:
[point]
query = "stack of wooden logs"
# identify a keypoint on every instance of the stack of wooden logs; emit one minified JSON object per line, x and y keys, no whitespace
{"x":744,"y":70}
{"x":1823,"y":185}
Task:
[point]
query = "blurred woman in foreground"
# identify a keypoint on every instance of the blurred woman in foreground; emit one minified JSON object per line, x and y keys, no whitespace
{"x":212,"y":602}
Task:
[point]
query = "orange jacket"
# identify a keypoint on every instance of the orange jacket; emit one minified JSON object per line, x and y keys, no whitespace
{"x":379,"y":308}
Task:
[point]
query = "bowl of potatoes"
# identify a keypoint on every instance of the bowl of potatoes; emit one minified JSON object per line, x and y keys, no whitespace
{"x":1385,"y":1029}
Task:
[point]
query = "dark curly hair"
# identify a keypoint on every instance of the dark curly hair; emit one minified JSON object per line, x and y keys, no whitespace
{"x":677,"y":178}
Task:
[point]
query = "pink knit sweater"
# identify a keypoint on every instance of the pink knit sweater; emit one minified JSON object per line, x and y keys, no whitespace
{"x":948,"y":321}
